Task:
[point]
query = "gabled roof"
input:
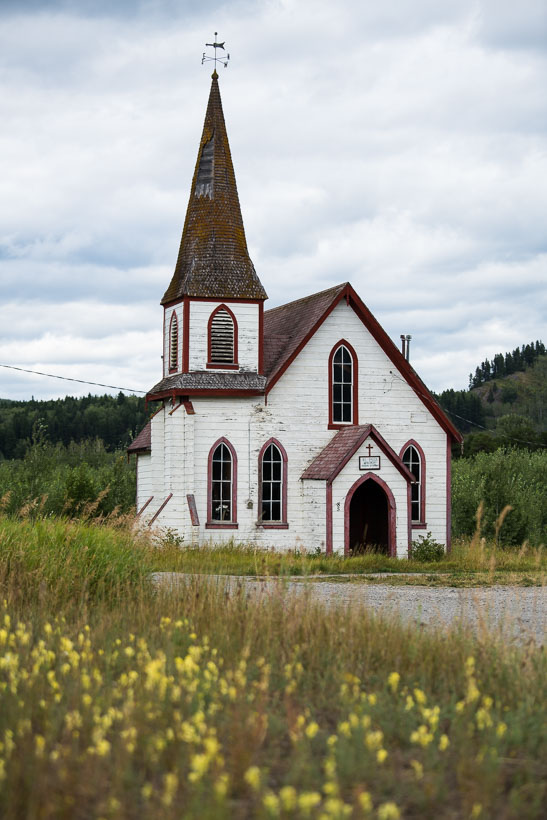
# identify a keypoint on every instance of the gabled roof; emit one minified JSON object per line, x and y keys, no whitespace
{"x":143,"y":442}
{"x":288,"y":328}
{"x":334,"y":457}
{"x":213,"y":259}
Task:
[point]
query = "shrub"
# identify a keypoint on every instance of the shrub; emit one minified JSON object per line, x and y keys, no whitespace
{"x":426,"y":549}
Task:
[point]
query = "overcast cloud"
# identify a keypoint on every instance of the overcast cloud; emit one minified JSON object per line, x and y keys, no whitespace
{"x":402,"y":148}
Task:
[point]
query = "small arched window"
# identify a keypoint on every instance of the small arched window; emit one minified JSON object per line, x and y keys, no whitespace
{"x":273,"y":485}
{"x":222,"y":475}
{"x":222,"y":339}
{"x":173,"y":342}
{"x":413,"y":459}
{"x":343,"y":385}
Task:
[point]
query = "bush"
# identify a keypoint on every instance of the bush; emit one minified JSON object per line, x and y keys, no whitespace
{"x":426,"y":549}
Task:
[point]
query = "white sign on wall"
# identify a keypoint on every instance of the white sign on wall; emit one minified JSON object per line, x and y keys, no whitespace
{"x":369,"y":462}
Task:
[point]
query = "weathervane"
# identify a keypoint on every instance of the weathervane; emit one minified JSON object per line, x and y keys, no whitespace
{"x":222,"y":59}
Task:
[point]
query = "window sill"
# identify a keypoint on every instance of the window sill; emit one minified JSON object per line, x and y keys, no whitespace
{"x":220,"y":525}
{"x":274,"y":525}
{"x":418,"y":526}
{"x":339,"y":425}
{"x":214,"y":366}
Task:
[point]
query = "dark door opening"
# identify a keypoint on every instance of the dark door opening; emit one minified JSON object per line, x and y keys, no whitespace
{"x":369,"y":519}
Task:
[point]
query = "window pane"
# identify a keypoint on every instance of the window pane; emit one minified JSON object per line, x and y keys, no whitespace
{"x":347,"y":393}
{"x":346,"y":373}
{"x":277,"y":471}
{"x":337,"y":412}
{"x":346,"y":414}
{"x":276,"y":511}
{"x":266,"y":491}
{"x":266,"y":514}
{"x":338,"y":356}
{"x":266,"y":471}
{"x":337,"y":392}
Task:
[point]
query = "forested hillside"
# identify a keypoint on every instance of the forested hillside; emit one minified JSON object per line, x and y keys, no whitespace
{"x":507,"y":409}
{"x":115,"y":420}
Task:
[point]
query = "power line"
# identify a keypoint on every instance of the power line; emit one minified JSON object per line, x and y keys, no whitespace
{"x":69,"y":379}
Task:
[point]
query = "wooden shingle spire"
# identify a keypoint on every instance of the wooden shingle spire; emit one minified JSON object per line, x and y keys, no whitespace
{"x":213,"y":259}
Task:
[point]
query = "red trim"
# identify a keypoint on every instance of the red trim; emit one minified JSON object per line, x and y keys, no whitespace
{"x":228,"y":301}
{"x":169,"y":497}
{"x":421,"y":524}
{"x":229,"y":392}
{"x":274,"y":525}
{"x":189,"y":407}
{"x":176,"y":407}
{"x":409,"y":517}
{"x":392,"y":512}
{"x":261,"y":339}
{"x":448,"y":494}
{"x":227,"y":525}
{"x":389,"y":348}
{"x":169,"y":343}
{"x":355,"y":376}
{"x":194,"y":517}
{"x":211,"y":366}
{"x":144,"y":506}
{"x":329,"y":518}
{"x":233,"y":365}
{"x":186,"y":335}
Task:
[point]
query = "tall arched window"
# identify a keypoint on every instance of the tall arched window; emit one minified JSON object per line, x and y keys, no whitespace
{"x":222,"y":339}
{"x":173,"y":342}
{"x":272,"y":465}
{"x":222,"y":485}
{"x":413,"y":458}
{"x":342,"y":385}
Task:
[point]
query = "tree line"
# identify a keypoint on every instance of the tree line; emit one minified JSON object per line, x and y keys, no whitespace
{"x":504,"y":364}
{"x":115,"y":420}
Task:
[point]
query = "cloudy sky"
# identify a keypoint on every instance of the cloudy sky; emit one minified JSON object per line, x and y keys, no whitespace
{"x":401,"y":146}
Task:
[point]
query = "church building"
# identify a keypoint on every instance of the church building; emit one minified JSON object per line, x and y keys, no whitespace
{"x":303,"y":426}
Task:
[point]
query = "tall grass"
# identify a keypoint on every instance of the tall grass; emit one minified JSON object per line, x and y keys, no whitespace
{"x":120,"y":702}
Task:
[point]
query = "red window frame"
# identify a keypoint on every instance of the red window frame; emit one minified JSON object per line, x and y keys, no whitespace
{"x":222,"y":365}
{"x":221,"y":525}
{"x":283,"y":523}
{"x":174,"y":319}
{"x":355,"y":374}
{"x":421,"y":524}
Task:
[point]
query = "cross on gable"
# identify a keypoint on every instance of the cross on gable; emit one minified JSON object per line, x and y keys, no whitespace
{"x":369,"y":448}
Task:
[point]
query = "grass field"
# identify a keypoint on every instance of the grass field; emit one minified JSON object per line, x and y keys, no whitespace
{"x":120,"y":702}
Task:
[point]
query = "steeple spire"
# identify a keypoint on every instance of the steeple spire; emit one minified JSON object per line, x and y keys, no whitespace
{"x":213,"y":259}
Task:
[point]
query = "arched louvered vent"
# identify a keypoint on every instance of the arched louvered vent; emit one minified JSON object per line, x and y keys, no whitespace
{"x":222,"y":338}
{"x":173,"y":343}
{"x":204,"y":181}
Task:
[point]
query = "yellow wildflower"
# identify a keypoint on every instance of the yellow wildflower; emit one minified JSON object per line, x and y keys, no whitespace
{"x":444,"y":743}
{"x":365,"y":802}
{"x":271,"y":803}
{"x":287,"y":795}
{"x":252,"y":777}
{"x":381,"y":755}
{"x":409,"y":703}
{"x":39,"y":744}
{"x":147,"y":791}
{"x":221,"y":785}
{"x":307,"y":801}
{"x":420,"y":698}
{"x":421,"y":736}
{"x":418,"y":769}
{"x":170,"y":786}
{"x":393,"y":681}
{"x":501,"y":729}
{"x":388,"y":811}
{"x":476,"y":811}
{"x":311,"y":730}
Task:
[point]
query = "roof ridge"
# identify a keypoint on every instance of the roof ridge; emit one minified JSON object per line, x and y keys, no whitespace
{"x":306,"y":298}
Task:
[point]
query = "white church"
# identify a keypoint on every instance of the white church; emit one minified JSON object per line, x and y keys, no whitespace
{"x":303,"y":426}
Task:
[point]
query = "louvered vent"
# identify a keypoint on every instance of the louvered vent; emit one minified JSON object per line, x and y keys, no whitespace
{"x":222,"y":338}
{"x":173,"y":343}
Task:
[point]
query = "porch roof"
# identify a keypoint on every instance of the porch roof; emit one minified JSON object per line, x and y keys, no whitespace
{"x":334,"y":457}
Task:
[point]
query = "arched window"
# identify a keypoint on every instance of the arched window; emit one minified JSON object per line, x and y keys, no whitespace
{"x":342,"y":385}
{"x":272,"y":465}
{"x":173,"y":342}
{"x":222,"y":486}
{"x":413,"y":458}
{"x":222,"y":339}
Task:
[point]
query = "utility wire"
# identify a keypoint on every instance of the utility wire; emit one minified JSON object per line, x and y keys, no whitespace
{"x":472,"y":423}
{"x":69,"y":379}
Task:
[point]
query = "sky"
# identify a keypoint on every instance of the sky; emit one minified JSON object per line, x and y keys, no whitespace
{"x":400,"y":146}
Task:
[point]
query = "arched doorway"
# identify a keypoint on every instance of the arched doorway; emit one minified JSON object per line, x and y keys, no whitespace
{"x":370,"y":517}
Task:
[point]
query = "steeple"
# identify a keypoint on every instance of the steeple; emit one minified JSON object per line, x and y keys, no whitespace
{"x":213,"y":259}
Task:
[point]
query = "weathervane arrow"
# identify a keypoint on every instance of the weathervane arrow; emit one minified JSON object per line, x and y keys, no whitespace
{"x":222,"y":59}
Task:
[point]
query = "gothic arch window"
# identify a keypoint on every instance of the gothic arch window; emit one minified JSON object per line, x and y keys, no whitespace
{"x":222,"y":486}
{"x":413,"y":458}
{"x":343,"y":385}
{"x":222,"y":339}
{"x":272,"y":492}
{"x":173,"y":343}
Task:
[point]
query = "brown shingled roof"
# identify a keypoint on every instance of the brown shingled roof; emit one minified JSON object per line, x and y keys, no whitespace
{"x":343,"y":446}
{"x":213,"y":259}
{"x":143,"y":442}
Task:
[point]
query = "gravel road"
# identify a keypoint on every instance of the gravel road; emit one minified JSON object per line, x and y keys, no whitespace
{"x":520,"y":612}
